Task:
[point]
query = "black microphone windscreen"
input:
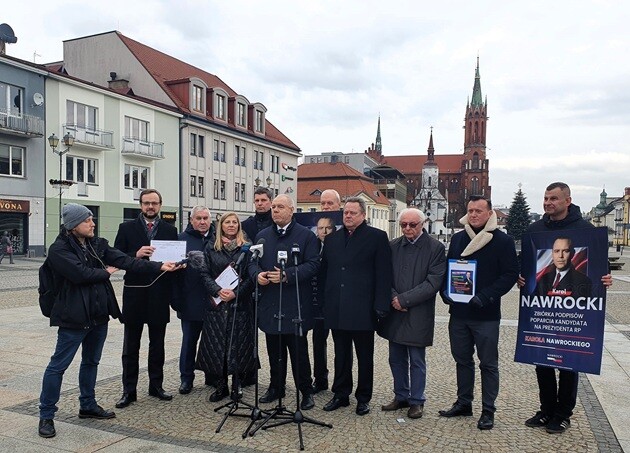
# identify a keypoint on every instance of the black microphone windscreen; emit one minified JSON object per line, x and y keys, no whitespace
{"x":196,"y":259}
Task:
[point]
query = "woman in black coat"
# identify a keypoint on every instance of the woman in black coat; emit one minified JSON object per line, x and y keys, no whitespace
{"x":215,"y":355}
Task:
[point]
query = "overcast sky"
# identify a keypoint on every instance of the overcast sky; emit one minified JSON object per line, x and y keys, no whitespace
{"x":554,"y":73}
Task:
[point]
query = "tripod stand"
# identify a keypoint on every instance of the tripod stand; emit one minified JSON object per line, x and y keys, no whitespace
{"x":280,"y":412}
{"x":256,"y":413}
{"x":236,"y":402}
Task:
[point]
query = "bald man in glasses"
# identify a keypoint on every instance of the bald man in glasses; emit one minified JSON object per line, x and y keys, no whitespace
{"x":418,"y":267}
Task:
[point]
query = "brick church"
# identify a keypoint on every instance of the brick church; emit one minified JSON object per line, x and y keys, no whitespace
{"x":443,"y":182}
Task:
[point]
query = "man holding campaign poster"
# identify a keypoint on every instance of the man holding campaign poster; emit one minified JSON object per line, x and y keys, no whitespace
{"x":562,"y":304}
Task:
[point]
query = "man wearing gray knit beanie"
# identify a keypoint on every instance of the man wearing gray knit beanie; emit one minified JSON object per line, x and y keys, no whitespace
{"x":84,"y":300}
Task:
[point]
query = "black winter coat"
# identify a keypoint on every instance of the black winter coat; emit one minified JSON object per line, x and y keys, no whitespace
{"x":418,"y":272}
{"x":86,"y":297}
{"x":497,"y":272}
{"x":256,"y":223}
{"x":217,"y":321}
{"x":145,"y":305}
{"x":308,"y":265}
{"x":355,"y":279}
{"x":192,"y":298}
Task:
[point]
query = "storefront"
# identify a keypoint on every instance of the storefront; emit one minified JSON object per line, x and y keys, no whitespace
{"x":14,"y":219}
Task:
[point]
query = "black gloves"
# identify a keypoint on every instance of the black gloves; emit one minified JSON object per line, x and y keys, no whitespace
{"x":476,"y":302}
{"x":380,"y":314}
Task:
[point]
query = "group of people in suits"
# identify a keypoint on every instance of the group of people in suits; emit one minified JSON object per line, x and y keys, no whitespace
{"x":348,"y":280}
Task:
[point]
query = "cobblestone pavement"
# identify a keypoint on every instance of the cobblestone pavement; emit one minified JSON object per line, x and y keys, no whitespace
{"x":189,"y":421}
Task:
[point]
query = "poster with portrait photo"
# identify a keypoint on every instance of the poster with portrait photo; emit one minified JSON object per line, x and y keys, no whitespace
{"x":562,"y":305}
{"x":324,"y":219}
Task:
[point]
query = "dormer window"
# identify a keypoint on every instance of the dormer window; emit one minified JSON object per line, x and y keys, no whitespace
{"x":197,"y":95}
{"x":260,"y":121}
{"x":220,"y":107}
{"x":241,"y":114}
{"x":197,"y":98}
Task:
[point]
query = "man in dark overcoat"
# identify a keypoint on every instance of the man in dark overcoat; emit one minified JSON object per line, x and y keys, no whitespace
{"x":192,"y":298}
{"x":354,"y":287}
{"x":282,"y":235}
{"x":145,"y":300}
{"x":419,"y":265}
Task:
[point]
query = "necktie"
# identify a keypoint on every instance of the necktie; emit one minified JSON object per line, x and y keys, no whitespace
{"x":556,"y":281}
{"x":149,"y":226}
{"x":281,"y":231}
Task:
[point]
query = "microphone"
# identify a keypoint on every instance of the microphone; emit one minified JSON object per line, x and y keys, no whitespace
{"x":283,"y":255}
{"x":244,"y":249}
{"x":258,"y":249}
{"x":295,"y":252}
{"x":196,"y":259}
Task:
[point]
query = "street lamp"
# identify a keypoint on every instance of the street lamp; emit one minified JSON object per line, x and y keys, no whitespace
{"x":53,"y":141}
{"x":269,"y":181}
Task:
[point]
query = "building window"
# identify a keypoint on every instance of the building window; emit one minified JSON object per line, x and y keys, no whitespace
{"x":193,"y":186}
{"x":243,"y":191}
{"x":240,"y":114}
{"x":313,"y":210}
{"x":475,"y":161}
{"x":237,"y":192}
{"x":261,"y":161}
{"x":201,"y":145}
{"x":80,"y":169}
{"x":136,"y":177}
{"x":275,"y":164}
{"x":215,"y":150}
{"x":136,"y":129}
{"x":260,"y":121}
{"x":255,"y":160}
{"x":216,"y":189}
{"x":200,"y":193}
{"x":11,"y":100}
{"x":197,"y":101}
{"x":222,"y":189}
{"x":11,"y":160}
{"x":220,"y":106}
{"x":474,"y":188}
{"x":222,"y":152}
{"x":81,"y":116}
{"x":239,"y":155}
{"x":193,"y":144}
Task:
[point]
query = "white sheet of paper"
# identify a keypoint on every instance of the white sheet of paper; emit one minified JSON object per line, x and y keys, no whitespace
{"x":462,"y":280}
{"x":168,"y":251}
{"x":228,"y":279}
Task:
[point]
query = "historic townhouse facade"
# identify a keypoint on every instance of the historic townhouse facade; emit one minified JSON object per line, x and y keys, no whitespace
{"x":120,"y":146}
{"x":22,"y":187}
{"x":227,"y":145}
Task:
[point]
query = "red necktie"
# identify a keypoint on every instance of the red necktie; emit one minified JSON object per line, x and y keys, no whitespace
{"x":556,"y":281}
{"x":149,"y":226}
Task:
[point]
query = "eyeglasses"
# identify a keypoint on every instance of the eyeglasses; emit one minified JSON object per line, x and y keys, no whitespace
{"x":409,"y":224}
{"x":150,"y":203}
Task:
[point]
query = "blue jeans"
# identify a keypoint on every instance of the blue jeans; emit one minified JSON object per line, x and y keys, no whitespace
{"x":408,"y":362}
{"x":68,"y":342}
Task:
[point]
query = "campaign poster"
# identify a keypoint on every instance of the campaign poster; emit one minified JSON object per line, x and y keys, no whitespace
{"x":320,"y":223}
{"x":461,"y":276}
{"x":562,"y":306}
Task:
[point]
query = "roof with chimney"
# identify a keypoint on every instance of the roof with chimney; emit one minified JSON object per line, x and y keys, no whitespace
{"x":166,"y":69}
{"x":313,"y":179}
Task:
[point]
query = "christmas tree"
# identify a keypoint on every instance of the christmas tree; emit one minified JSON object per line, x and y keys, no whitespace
{"x":518,"y":218}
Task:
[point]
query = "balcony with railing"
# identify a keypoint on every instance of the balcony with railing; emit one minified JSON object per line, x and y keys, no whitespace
{"x":142,"y":148}
{"x":21,"y":124}
{"x":88,"y":136}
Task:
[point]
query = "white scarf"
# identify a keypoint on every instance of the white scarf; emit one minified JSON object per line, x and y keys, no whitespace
{"x":481,"y":239}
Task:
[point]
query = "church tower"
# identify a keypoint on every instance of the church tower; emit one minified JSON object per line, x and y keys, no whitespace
{"x":429,"y":199}
{"x":475,"y":177}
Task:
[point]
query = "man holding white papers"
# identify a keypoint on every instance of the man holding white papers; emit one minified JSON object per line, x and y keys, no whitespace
{"x":144,"y":302}
{"x":475,"y":324}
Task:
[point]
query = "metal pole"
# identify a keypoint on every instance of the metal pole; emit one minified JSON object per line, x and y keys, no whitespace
{"x":60,"y":189}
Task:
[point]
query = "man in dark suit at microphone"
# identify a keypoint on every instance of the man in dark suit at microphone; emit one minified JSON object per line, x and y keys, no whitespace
{"x":284,"y":241}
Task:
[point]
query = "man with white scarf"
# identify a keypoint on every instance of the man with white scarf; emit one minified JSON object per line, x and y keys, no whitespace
{"x":475,"y":325}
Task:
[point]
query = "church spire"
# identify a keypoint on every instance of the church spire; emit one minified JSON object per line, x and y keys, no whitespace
{"x":379,"y":145}
{"x":477,"y":99}
{"x":430,"y":150}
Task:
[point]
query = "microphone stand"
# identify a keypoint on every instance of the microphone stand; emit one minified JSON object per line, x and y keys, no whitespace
{"x":256,"y":413}
{"x":236,"y":402}
{"x":280,"y":412}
